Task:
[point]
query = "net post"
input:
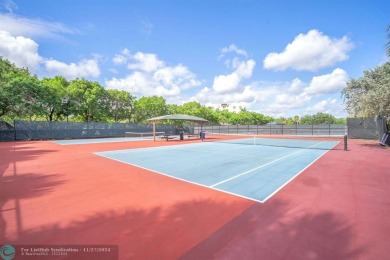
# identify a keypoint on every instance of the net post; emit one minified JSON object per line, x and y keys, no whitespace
{"x":345,"y":143}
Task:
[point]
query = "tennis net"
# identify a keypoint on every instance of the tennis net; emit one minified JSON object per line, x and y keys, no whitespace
{"x":146,"y":135}
{"x":339,"y":142}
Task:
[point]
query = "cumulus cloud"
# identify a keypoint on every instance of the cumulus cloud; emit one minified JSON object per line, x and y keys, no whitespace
{"x":147,"y":62}
{"x":296,"y":86}
{"x":328,"y":83}
{"x":311,"y":52}
{"x":231,"y":82}
{"x":330,"y":105}
{"x":84,"y":68}
{"x":151,"y":76}
{"x":228,"y":88}
{"x":22,"y":51}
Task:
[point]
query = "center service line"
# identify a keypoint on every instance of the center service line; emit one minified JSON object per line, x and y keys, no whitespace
{"x":261,"y":166}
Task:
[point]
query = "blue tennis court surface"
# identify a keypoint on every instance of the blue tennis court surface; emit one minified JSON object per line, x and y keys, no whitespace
{"x":101,"y":140}
{"x":254,"y":172}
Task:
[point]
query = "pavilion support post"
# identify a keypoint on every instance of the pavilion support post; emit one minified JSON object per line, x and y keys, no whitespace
{"x":154,"y":131}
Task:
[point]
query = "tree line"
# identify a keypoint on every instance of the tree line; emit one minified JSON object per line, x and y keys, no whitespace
{"x":23,"y":96}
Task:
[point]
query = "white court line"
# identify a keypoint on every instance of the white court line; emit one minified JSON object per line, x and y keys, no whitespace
{"x":180,"y":179}
{"x":261,"y":166}
{"x":293,"y":177}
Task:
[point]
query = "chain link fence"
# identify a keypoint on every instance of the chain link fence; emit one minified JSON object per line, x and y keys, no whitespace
{"x":364,"y":128}
{"x":36,"y":130}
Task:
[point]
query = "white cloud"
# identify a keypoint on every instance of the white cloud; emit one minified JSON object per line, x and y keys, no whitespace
{"x":119,"y":59}
{"x":328,"y":83}
{"x":311,"y":51}
{"x":122,"y":58}
{"x":235,"y":49}
{"x":147,"y":62}
{"x":296,"y":86}
{"x":231,"y":82}
{"x":21,"y":51}
{"x":151,"y":76}
{"x":285,"y":103}
{"x":84,"y":68}
{"x":27,"y":27}
{"x":226,"y":83}
{"x":330,"y":106}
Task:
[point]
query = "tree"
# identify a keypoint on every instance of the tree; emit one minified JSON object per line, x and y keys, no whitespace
{"x":223,"y":116}
{"x":87,"y":100}
{"x":369,"y":96}
{"x":319,"y":118}
{"x":27,"y":101}
{"x":196,"y":109}
{"x":148,"y":107}
{"x":120,"y":105}
{"x":56,"y":99}
{"x":10,"y":79}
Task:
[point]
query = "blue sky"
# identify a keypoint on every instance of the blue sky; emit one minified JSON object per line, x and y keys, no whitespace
{"x":279,"y":58}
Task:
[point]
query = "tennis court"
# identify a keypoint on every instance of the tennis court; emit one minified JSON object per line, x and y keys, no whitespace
{"x":252,"y":168}
{"x":188,"y":199}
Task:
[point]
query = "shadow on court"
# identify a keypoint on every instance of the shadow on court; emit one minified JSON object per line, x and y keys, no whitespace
{"x":159,"y":233}
{"x":267,"y":232}
{"x":15,"y":186}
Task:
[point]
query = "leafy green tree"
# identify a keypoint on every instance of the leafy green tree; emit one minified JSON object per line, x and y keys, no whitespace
{"x":173,"y":109}
{"x":87,"y":100}
{"x":223,"y":116}
{"x":56,"y":98}
{"x":319,"y":118}
{"x":148,"y":107}
{"x":245,"y":117}
{"x":120,"y":105}
{"x":196,"y":109}
{"x":369,"y":95}
{"x":11,"y":83}
{"x":30,"y":96}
